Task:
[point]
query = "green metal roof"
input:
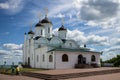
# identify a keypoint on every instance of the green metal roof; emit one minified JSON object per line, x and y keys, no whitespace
{"x":73,"y":50}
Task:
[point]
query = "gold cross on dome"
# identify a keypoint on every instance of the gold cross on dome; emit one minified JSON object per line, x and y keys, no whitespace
{"x":30,"y":25}
{"x":46,"y":12}
{"x":62,"y":20}
{"x":39,"y":16}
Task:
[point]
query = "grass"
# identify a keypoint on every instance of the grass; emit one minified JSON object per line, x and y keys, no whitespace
{"x":31,"y":69}
{"x":22,"y":70}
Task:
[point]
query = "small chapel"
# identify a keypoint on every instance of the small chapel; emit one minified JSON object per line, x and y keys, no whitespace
{"x":42,"y":49}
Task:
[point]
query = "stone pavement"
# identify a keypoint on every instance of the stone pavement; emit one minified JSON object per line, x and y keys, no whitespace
{"x":14,"y":77}
{"x":71,"y":73}
{"x":115,"y":76}
{"x":111,"y":76}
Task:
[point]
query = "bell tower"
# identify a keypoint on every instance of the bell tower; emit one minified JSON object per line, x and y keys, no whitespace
{"x":62,"y":31}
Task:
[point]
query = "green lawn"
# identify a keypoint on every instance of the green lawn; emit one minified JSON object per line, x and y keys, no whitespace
{"x":30,"y":69}
{"x":8,"y":71}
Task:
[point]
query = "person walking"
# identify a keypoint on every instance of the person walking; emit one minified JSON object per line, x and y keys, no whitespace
{"x":17,"y":70}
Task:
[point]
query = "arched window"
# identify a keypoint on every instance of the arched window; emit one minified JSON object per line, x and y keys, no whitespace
{"x":50,"y":58}
{"x":70,"y":44}
{"x":65,"y":58}
{"x":93,"y":58}
{"x":43,"y":57}
{"x":29,"y":61}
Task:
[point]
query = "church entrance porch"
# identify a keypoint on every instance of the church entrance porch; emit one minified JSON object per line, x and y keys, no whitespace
{"x":82,"y":62}
{"x":81,"y":59}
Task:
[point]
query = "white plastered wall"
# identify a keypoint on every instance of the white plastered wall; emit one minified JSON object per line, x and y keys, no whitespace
{"x":43,"y":64}
{"x":73,"y":59}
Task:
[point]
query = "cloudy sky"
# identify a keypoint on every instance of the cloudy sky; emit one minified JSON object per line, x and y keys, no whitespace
{"x":92,"y":22}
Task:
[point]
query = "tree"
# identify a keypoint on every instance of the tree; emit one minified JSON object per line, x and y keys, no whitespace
{"x":115,"y":61}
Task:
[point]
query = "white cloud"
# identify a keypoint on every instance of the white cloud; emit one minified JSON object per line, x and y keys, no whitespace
{"x":11,"y":49}
{"x":113,"y":49}
{"x":110,"y":52}
{"x":11,"y":52}
{"x":12,"y":46}
{"x":55,"y":31}
{"x":5,"y":33}
{"x":92,"y":49}
{"x":16,"y":51}
{"x":12,"y":6}
{"x":3,"y":52}
{"x":115,"y":41}
{"x":97,"y":40}
{"x":89,"y":39}
{"x":76,"y":35}
{"x":102,"y":13}
{"x":82,"y":39}
{"x":4,"y":5}
{"x":59,"y":15}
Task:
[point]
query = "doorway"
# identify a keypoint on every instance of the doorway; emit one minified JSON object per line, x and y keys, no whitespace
{"x":28,"y":61}
{"x":80,"y":59}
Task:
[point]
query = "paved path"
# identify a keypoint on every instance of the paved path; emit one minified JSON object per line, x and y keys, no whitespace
{"x":72,"y":73}
{"x":14,"y":77}
{"x":115,"y":76}
{"x":68,"y":71}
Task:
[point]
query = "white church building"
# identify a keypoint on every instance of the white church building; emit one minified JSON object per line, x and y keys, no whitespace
{"x":42,"y":49}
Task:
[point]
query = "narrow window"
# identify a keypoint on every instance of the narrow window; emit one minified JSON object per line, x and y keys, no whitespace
{"x":29,"y":61}
{"x":43,"y":57}
{"x":93,"y":58}
{"x":48,"y":30}
{"x":39,"y":46}
{"x":37,"y":58}
{"x":50,"y":58}
{"x":41,"y":32}
{"x":70,"y":44}
{"x":64,"y":58}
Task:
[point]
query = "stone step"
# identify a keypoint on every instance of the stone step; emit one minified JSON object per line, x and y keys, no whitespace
{"x":83,"y":66}
{"x":71,"y":75}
